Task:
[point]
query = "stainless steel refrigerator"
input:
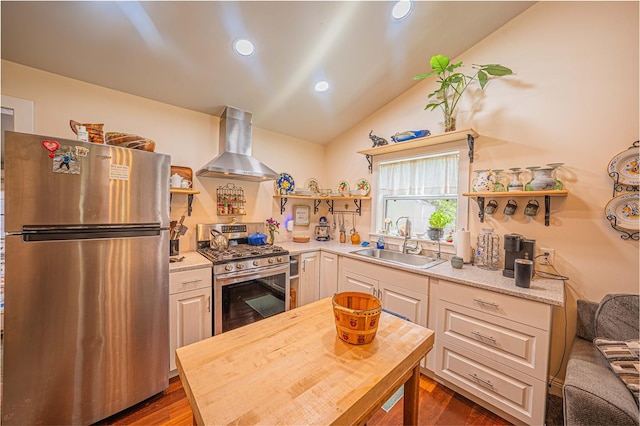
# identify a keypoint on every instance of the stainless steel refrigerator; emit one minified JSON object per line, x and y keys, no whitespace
{"x":87,"y":279}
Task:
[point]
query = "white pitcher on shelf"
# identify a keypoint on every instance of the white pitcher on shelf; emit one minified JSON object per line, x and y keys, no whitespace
{"x":176,"y":181}
{"x":484,"y":181}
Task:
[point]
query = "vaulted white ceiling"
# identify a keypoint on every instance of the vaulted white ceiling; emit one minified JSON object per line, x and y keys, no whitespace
{"x":180,"y":52}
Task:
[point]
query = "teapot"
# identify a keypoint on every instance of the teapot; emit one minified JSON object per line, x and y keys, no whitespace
{"x":176,"y":180}
{"x":219,"y":241}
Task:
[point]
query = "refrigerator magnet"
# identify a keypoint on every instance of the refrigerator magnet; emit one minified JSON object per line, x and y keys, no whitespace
{"x":66,"y":161}
{"x":51,"y":146}
{"x":81,"y":151}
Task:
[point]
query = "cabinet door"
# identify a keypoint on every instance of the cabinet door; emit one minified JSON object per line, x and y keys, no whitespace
{"x":350,"y":281}
{"x":190,"y":319}
{"x":405,"y":302}
{"x":309,"y":284}
{"x":328,"y":274}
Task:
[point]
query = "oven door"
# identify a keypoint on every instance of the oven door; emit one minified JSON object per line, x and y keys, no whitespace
{"x":242,"y":298}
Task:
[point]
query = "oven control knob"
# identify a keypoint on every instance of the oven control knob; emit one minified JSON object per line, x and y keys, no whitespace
{"x":240,"y":265}
{"x":256,"y":263}
{"x":228,"y":267}
{"x":279,"y":258}
{"x":271,"y":260}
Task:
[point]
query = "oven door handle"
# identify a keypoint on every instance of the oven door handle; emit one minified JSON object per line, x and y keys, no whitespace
{"x":249,"y":275}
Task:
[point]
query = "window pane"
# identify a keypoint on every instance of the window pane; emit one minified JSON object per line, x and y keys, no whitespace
{"x":418,"y":210}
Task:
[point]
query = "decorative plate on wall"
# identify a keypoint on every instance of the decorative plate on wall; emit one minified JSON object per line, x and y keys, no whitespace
{"x":343,"y":187}
{"x":625,"y":208}
{"x":627,"y":165}
{"x":313,"y":185}
{"x":363,"y":186}
{"x":285,"y":184}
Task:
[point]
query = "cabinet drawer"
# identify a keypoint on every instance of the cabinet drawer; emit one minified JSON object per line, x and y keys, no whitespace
{"x":516,"y":345}
{"x":189,"y":280}
{"x":501,"y":305}
{"x":513,"y":392}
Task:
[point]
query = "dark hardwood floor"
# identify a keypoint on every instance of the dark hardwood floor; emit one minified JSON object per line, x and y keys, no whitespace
{"x":438,"y":406}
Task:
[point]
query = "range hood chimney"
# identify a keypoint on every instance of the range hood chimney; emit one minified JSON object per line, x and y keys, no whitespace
{"x":234,"y":160}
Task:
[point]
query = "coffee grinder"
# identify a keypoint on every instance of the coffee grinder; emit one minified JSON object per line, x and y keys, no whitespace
{"x":516,"y":247}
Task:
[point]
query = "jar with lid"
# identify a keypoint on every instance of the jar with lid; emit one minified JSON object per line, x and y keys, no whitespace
{"x":488,"y":250}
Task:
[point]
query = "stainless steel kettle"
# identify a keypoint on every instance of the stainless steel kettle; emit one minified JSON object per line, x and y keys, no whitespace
{"x":218,"y":240}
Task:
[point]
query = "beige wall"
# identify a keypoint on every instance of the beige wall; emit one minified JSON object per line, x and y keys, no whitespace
{"x":191,"y":138}
{"x":574,"y":99}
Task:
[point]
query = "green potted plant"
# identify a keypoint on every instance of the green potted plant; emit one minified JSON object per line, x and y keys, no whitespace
{"x":437,"y":222}
{"x":453,"y":84}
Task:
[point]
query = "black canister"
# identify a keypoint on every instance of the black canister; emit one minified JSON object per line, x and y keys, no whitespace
{"x":523,"y":272}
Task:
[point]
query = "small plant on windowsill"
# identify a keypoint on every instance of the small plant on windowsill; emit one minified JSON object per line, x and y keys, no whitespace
{"x":437,"y":222}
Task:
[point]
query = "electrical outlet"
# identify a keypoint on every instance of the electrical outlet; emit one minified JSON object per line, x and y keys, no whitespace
{"x":550,"y":258}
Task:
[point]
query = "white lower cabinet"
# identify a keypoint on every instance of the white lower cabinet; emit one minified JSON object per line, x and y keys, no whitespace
{"x":328,"y":274}
{"x":493,"y":346}
{"x":190,"y":310}
{"x":309,"y":278}
{"x":402,"y":293}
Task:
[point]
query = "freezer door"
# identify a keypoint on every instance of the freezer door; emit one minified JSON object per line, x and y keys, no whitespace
{"x":102,"y":184}
{"x":86,"y":327}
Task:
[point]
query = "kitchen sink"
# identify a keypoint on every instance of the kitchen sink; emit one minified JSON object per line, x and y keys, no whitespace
{"x":414,"y":260}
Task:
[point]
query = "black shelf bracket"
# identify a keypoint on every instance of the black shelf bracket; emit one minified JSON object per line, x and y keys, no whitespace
{"x":316,"y":205}
{"x":370,"y":161}
{"x":358,"y":203}
{"x":547,"y":209}
{"x":283,"y":203}
{"x":330,"y":204}
{"x":189,"y":203}
{"x":480,"y":201}
{"x":471,"y":142}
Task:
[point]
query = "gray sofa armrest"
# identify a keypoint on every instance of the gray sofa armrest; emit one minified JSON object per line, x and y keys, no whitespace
{"x":585,"y":323}
{"x":593,"y":394}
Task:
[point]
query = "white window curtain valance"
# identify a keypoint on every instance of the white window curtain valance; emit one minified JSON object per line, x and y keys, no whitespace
{"x":432,"y":175}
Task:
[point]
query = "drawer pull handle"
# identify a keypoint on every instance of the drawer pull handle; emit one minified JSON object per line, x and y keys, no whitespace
{"x":191,"y":282}
{"x":481,"y":336}
{"x":482,"y":381}
{"x":485,"y":303}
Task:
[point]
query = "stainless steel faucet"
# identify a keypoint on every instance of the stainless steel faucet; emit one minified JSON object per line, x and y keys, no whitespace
{"x":407,"y":231}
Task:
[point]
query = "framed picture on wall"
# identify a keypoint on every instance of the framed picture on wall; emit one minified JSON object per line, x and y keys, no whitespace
{"x":301,"y":215}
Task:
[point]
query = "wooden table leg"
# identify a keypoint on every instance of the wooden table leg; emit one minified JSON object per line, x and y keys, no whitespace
{"x":412,"y":397}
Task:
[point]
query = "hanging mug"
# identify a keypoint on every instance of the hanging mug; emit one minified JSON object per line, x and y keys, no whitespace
{"x":532,"y":208}
{"x":510,"y":208}
{"x":491,"y":207}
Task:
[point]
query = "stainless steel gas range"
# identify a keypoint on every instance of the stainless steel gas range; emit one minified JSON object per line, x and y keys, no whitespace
{"x":250,"y":282}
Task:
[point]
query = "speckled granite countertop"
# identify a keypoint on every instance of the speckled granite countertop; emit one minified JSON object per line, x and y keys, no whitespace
{"x":192,"y":260}
{"x":542,"y":290}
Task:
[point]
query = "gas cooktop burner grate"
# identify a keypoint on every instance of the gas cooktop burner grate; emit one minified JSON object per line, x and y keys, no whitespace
{"x":241,"y":251}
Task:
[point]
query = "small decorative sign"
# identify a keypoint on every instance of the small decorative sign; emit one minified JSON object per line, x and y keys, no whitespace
{"x":301,"y":215}
{"x":119,"y":172}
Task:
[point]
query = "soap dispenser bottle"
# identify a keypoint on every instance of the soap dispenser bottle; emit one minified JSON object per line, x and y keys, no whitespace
{"x":380,"y":243}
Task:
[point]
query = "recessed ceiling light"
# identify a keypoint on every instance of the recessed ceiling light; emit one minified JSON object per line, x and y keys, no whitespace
{"x":243,"y":47}
{"x":401,"y":9}
{"x":322,"y":86}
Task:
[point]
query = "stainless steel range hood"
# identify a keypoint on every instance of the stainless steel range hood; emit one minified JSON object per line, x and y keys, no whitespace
{"x":235,"y":160}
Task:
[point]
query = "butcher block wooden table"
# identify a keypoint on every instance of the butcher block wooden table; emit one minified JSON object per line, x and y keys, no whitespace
{"x":292,"y":369}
